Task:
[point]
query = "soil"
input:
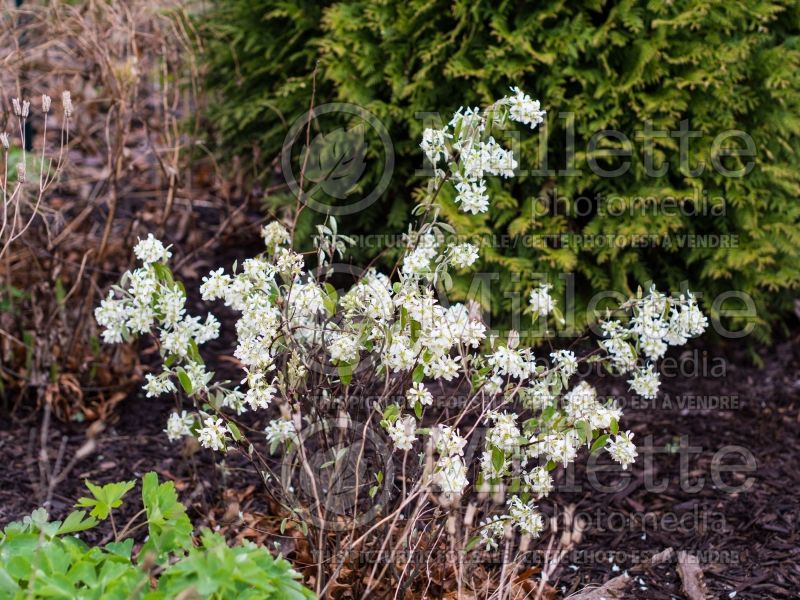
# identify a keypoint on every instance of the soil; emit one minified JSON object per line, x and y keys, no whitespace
{"x":745,"y":539}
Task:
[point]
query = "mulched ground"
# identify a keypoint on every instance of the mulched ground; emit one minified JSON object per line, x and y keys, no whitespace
{"x":746,"y":540}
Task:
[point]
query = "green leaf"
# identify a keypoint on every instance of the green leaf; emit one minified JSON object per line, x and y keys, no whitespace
{"x":345,"y":374}
{"x":419,"y":374}
{"x":416,"y":328}
{"x":168,"y":526}
{"x":186,"y":382}
{"x":599,"y":443}
{"x":105,"y":498}
{"x":75,"y":522}
{"x":472,"y":543}
{"x":235,"y":433}
{"x":391,"y":412}
{"x":498,"y":459}
{"x":584,"y":431}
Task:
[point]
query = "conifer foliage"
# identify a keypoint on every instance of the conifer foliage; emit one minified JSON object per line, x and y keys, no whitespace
{"x":692,"y":68}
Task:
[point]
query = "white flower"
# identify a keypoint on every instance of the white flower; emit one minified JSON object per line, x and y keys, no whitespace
{"x":622,"y":449}
{"x":280,"y":430}
{"x":472,"y":196}
{"x":463,"y":255}
{"x":403,"y":432}
{"x":235,"y":400}
{"x":260,"y":392}
{"x":172,"y":304}
{"x":557,"y":447}
{"x":112,"y":314}
{"x":540,"y":300}
{"x":494,"y":470}
{"x":645,"y":382}
{"x":151,"y":250}
{"x":344,"y":348}
{"x":289,"y":263}
{"x":215,"y":285}
{"x":581,"y":401}
{"x":518,"y":364}
{"x":434,"y":144}
{"x":447,"y":441}
{"x":179,"y":425}
{"x":419,"y":393}
{"x":504,"y":435}
{"x":623,"y":357}
{"x":538,"y":396}
{"x":213,"y":434}
{"x":490,"y":530}
{"x":686,"y":321}
{"x":158,"y":384}
{"x":527,"y":518}
{"x":417,"y":262}
{"x":494,"y":385}
{"x":565,"y":362}
{"x":450,"y":474}
{"x":523,"y":109}
{"x":274,"y":235}
{"x":539,"y":481}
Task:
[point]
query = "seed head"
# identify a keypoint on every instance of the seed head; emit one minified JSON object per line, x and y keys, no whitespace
{"x":45,"y":103}
{"x":17,"y":108}
{"x":21,"y":173}
{"x":4,"y":140}
{"x":66,"y":100}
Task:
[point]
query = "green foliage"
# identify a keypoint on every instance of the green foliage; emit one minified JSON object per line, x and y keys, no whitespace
{"x":614,"y":64}
{"x":105,"y":498}
{"x":44,"y":559}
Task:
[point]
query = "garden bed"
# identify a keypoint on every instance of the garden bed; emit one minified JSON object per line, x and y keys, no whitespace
{"x":747,"y":542}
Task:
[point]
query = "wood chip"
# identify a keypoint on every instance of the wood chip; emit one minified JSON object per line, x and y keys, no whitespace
{"x":613,"y":588}
{"x":694,"y":585}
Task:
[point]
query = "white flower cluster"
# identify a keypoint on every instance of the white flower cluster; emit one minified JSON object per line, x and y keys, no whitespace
{"x":151,"y":250}
{"x":149,"y":300}
{"x":280,"y":430}
{"x":450,"y":471}
{"x":540,"y":300}
{"x":274,"y":235}
{"x":622,"y":449}
{"x":403,"y":432}
{"x":471,"y":153}
{"x":658,"y":322}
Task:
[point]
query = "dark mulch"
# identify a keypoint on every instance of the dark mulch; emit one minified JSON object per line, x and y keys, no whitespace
{"x":747,"y":541}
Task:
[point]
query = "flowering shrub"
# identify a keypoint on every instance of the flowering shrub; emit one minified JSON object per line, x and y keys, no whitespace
{"x":311,"y":351}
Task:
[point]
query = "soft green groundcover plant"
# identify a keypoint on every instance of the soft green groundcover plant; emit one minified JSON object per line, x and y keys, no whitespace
{"x":40,"y":558}
{"x":612,"y":64}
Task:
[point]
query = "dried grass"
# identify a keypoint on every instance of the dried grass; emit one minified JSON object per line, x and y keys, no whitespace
{"x":129,"y":168}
